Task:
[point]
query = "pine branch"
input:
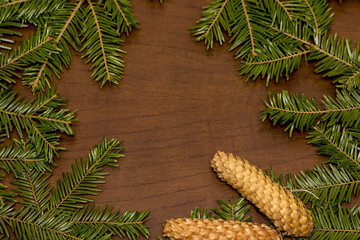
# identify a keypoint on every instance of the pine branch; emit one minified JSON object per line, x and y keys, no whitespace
{"x":16,"y":159}
{"x":101,"y":45}
{"x":28,"y":9}
{"x":284,"y":8}
{"x":66,"y":23}
{"x":272,"y":64}
{"x":28,"y":223}
{"x":5,"y":195}
{"x":234,"y":211}
{"x":217,"y":16}
{"x":85,"y":177}
{"x":337,"y":143}
{"x":127,"y":224}
{"x":7,"y":28}
{"x":298,"y":112}
{"x":295,"y":110}
{"x":334,"y":57}
{"x":29,"y":52}
{"x":122,"y":15}
{"x":33,"y":188}
{"x":343,"y":224}
{"x":40,"y":119}
{"x":324,"y":186}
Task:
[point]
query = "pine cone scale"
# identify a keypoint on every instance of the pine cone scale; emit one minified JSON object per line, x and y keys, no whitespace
{"x":288,"y":213}
{"x":217,"y":229}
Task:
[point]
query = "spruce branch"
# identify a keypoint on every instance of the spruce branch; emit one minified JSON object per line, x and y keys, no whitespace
{"x":127,"y":224}
{"x":215,"y":17}
{"x":340,"y":224}
{"x":7,"y":29}
{"x":325,"y":186}
{"x":337,"y":143}
{"x":33,"y":188}
{"x":334,"y":57}
{"x":62,"y":213}
{"x":253,"y":54}
{"x":285,"y":9}
{"x":28,"y":223}
{"x":26,"y":10}
{"x":234,"y":211}
{"x":40,"y":119}
{"x":16,"y":159}
{"x":122,"y":15}
{"x":66,"y":23}
{"x":29,"y":52}
{"x":101,"y":45}
{"x":85,"y":177}
{"x":299,"y":112}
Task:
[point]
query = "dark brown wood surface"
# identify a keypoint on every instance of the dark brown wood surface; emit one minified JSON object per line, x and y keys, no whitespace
{"x":176,"y":105}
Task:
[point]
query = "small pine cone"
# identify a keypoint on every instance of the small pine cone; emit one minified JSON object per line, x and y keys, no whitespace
{"x":217,"y":229}
{"x":287,"y":212}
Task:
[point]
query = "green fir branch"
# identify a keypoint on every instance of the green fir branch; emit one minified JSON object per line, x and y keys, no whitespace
{"x":33,"y":188}
{"x":337,"y":143}
{"x":85,"y":177}
{"x":26,"y":10}
{"x":233,"y":211}
{"x":343,"y":224}
{"x":34,"y":50}
{"x":215,"y":17}
{"x":101,"y":41}
{"x":7,"y":29}
{"x":40,"y":119}
{"x":16,"y":159}
{"x":324,"y":186}
{"x":122,"y":15}
{"x":62,"y":213}
{"x":65,"y":23}
{"x":127,"y":224}
{"x":29,"y":223}
{"x":4,"y":194}
{"x":299,"y":112}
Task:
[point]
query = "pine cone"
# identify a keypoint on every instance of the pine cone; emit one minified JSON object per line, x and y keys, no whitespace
{"x":288,"y":213}
{"x":217,"y":229}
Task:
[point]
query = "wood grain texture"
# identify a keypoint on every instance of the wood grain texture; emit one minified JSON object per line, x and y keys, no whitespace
{"x":176,"y":105}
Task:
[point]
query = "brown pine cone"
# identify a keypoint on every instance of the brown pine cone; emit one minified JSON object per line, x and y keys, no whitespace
{"x":287,"y":212}
{"x":217,"y":229}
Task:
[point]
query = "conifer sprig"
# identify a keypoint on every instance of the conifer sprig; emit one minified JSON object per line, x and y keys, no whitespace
{"x":27,"y":9}
{"x":66,"y":24}
{"x":299,"y":112}
{"x":325,"y":186}
{"x":34,"y":50}
{"x":86,"y":175}
{"x":343,"y":223}
{"x":127,"y":224}
{"x":95,"y":29}
{"x":40,"y":119}
{"x":33,"y":188}
{"x":16,"y":159}
{"x":337,"y":143}
{"x":62,"y":213}
{"x":101,"y":44}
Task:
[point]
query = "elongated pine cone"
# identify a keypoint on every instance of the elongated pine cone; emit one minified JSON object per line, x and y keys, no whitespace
{"x":217,"y":229}
{"x":287,"y":212}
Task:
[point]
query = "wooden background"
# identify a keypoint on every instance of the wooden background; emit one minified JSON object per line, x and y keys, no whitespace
{"x":176,"y":105}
